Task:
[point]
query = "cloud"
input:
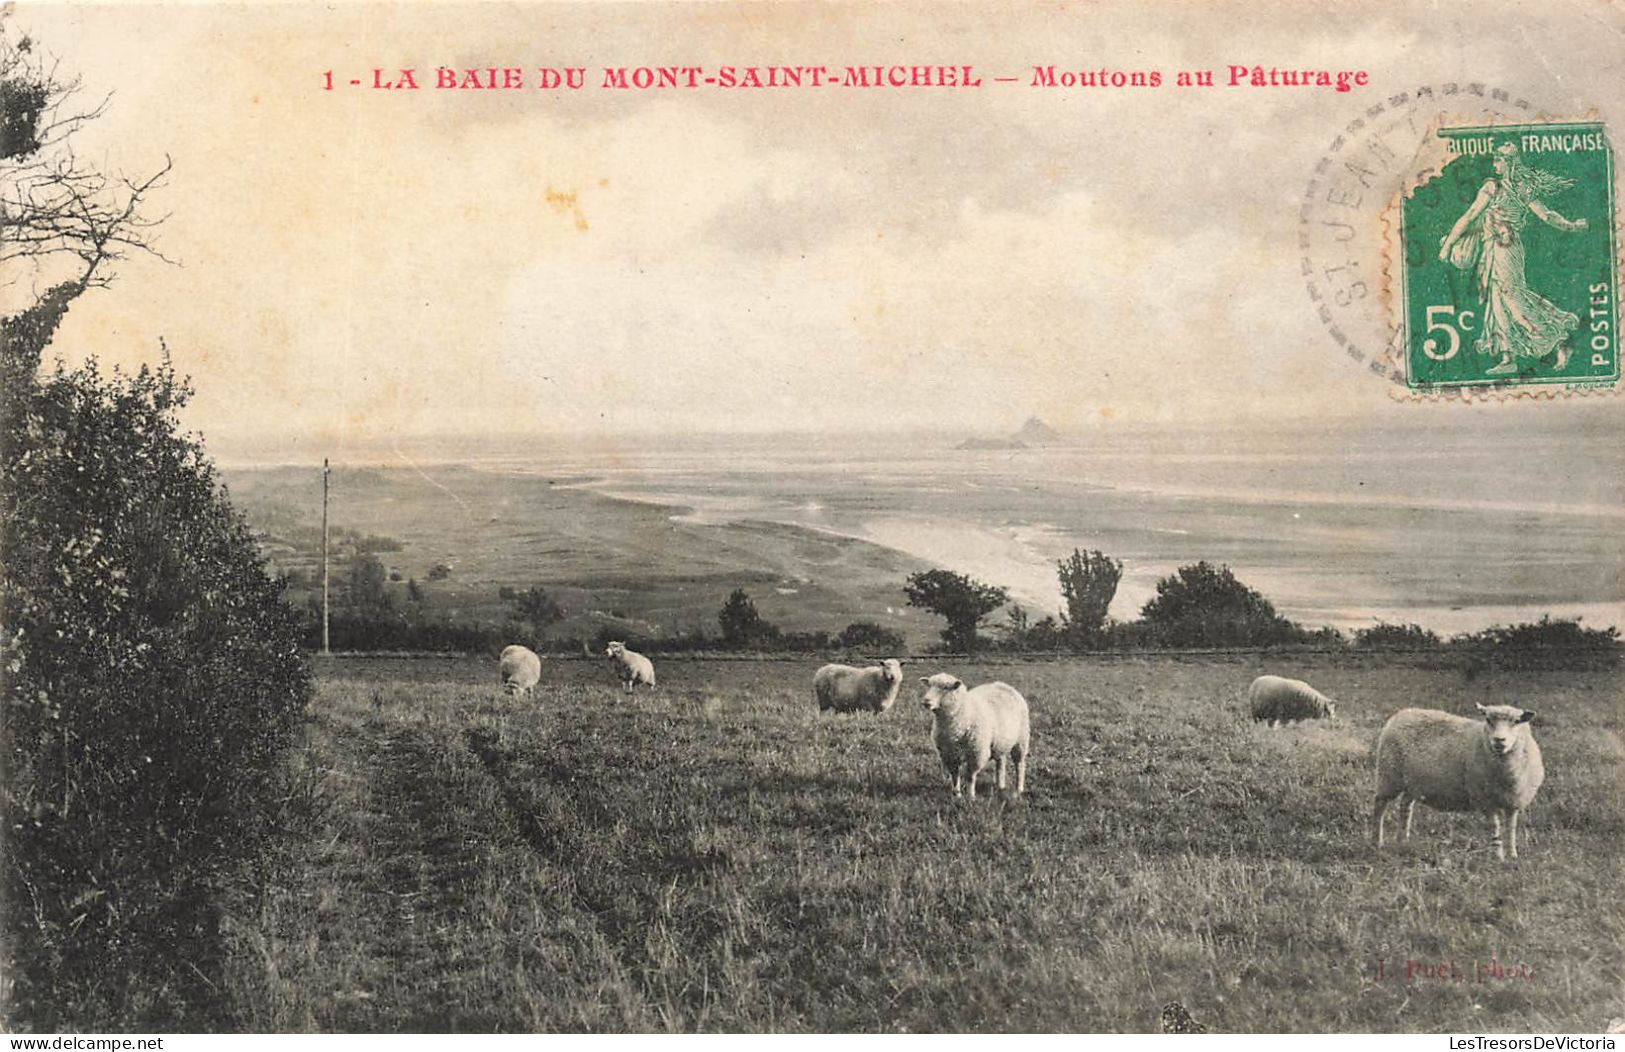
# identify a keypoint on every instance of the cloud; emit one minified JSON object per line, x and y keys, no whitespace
{"x":386,"y":263}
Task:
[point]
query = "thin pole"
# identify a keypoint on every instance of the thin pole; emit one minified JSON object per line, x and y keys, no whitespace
{"x":325,"y":472}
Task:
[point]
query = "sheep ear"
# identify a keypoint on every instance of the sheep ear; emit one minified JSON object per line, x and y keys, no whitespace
{"x":925,"y":680}
{"x":959,"y":684}
{"x":1528,"y":714}
{"x":1482,"y":711}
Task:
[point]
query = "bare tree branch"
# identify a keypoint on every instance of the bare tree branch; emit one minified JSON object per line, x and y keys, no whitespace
{"x":65,"y":225}
{"x":61,"y":220}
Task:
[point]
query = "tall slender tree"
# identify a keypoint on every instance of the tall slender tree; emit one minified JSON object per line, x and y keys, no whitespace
{"x":1088,"y":585}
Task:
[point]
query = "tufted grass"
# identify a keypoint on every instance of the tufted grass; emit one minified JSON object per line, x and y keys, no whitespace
{"x":719,"y":856}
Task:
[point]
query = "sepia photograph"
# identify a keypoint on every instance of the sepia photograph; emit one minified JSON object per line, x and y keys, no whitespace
{"x":811,"y":517}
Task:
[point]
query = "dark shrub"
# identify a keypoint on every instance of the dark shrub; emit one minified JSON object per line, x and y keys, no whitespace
{"x":534,"y":606}
{"x":373,"y":542}
{"x":365,"y":588}
{"x":866,"y":635}
{"x":1395,"y":637}
{"x":961,"y":601}
{"x":153,"y":681}
{"x":813,"y":642}
{"x":350,"y":631}
{"x":1205,"y":606}
{"x":743,"y":628}
{"x":1543,"y":644}
{"x":1048,"y":634}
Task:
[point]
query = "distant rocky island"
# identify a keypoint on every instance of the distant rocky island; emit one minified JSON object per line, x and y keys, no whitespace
{"x":1032,"y":433}
{"x":1037,"y":433}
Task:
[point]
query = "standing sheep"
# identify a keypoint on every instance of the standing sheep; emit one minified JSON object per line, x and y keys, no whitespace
{"x":1456,"y":764}
{"x":1281,"y":700}
{"x":973,"y":725}
{"x":520,"y":670}
{"x":635,"y":668}
{"x":847,"y":689}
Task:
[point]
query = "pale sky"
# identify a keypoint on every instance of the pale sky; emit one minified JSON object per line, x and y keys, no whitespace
{"x":372,"y":264}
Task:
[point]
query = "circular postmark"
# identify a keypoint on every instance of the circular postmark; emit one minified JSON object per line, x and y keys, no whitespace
{"x":1345,"y":242}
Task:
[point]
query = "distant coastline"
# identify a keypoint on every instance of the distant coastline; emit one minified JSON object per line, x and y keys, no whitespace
{"x":1333,"y":530}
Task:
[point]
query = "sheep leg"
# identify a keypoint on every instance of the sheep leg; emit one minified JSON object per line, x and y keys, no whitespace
{"x":1021,"y":772}
{"x":1003,"y":762}
{"x":1378,"y":809}
{"x":1409,"y":804}
{"x":973,"y":772}
{"x":1512,"y":833}
{"x":1500,"y":847}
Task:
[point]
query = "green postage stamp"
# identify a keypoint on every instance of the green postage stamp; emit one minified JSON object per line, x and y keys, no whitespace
{"x":1509,"y":260}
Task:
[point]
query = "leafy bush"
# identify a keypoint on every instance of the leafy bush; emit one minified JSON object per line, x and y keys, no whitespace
{"x":812,"y":642}
{"x":1385,"y":636}
{"x":959,"y":600}
{"x":1021,"y":634}
{"x":1205,"y":606}
{"x":1324,"y":636}
{"x":534,"y":606}
{"x":374,"y":542}
{"x":742,"y":627}
{"x":1543,"y":644}
{"x":866,"y":635}
{"x":365,"y":588}
{"x":153,"y":682}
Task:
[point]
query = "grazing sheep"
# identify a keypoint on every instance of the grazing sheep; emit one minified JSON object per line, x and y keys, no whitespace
{"x":847,"y":689}
{"x":973,"y":725}
{"x":1456,"y":764}
{"x":1281,"y":700}
{"x":635,"y":668}
{"x":520,"y":668}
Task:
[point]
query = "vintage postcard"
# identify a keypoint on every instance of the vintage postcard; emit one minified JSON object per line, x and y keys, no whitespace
{"x":796,"y":516}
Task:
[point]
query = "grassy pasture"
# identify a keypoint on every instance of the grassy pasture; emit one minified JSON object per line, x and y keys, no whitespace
{"x":717,"y":855}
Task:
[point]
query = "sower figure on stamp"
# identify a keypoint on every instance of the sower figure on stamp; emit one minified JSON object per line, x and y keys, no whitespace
{"x":1519,"y":324}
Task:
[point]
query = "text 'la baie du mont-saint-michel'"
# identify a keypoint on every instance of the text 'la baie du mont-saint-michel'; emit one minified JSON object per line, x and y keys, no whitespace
{"x":699,"y":78}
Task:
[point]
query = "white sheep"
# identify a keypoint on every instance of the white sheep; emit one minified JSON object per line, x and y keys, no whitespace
{"x":1456,"y":764}
{"x":848,"y":689}
{"x":974,"y":725}
{"x":635,"y":668}
{"x":520,"y":669}
{"x":1281,"y":700}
